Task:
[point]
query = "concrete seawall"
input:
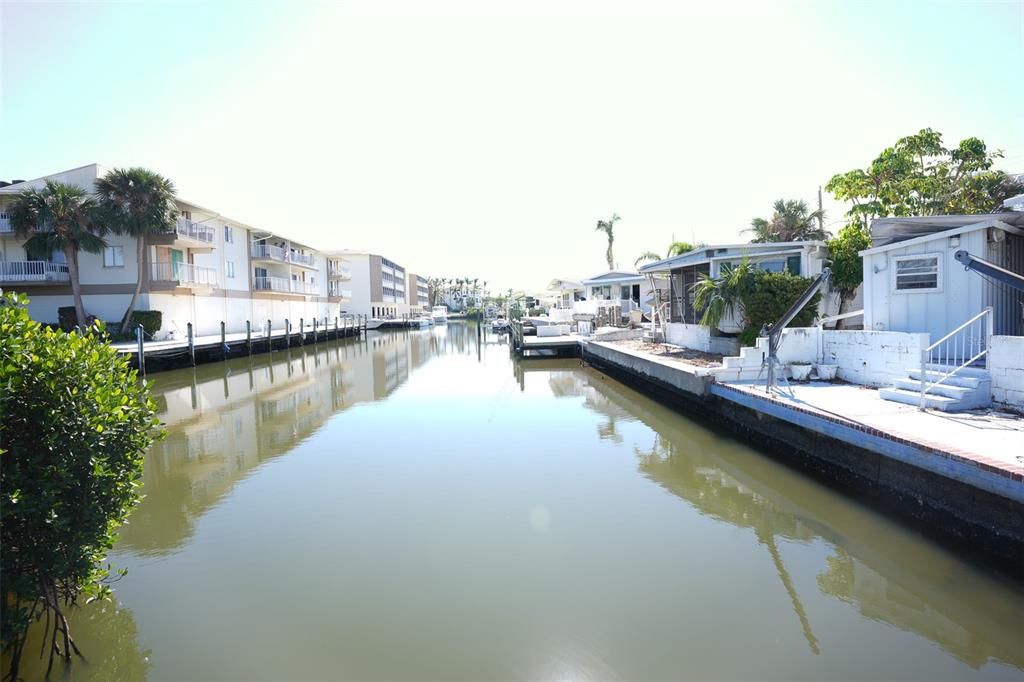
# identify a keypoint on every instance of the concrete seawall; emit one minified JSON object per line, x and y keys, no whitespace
{"x":968,"y":506}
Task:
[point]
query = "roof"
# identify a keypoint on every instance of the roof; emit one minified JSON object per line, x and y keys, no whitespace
{"x":559,"y":284}
{"x":885,"y":231}
{"x":613,"y":276}
{"x":701,"y":255}
{"x":921,"y":229}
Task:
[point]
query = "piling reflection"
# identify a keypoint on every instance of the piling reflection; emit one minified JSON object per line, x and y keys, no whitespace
{"x":920,"y":592}
{"x":226,"y":419}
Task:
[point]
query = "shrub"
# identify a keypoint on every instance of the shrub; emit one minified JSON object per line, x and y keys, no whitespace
{"x":75,"y":426}
{"x":151,"y":320}
{"x":770,"y":296}
{"x":67,"y":318}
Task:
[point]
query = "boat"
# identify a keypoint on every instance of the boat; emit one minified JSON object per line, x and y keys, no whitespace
{"x":499,"y":324}
{"x":422,"y":322}
{"x":374,"y":324}
{"x":439,"y":313}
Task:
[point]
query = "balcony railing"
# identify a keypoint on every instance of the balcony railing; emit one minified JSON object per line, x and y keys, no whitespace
{"x":284,"y":285}
{"x":270,"y":252}
{"x":341,"y":293}
{"x":340,"y":272}
{"x":190,"y":230}
{"x":184,"y":274}
{"x":33,"y":271}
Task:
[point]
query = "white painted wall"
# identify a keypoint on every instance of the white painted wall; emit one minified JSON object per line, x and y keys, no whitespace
{"x":1006,"y":366}
{"x":359,"y":264}
{"x":693,"y":336}
{"x":961,"y":295}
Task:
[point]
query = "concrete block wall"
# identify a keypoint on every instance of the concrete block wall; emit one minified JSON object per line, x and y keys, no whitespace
{"x":1006,"y":367}
{"x":692,"y":336}
{"x":872,"y":358}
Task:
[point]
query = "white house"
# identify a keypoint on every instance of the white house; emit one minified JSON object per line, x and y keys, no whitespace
{"x":209,"y":269}
{"x":685,"y":270}
{"x":630,"y":290}
{"x":913,"y":283}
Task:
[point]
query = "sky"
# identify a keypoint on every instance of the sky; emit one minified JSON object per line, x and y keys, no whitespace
{"x":486,"y":139}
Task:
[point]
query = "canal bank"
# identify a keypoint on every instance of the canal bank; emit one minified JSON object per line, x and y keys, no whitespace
{"x":951,"y":491}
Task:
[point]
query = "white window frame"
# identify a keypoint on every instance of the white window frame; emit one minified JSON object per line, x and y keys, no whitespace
{"x":229,"y":234}
{"x":894,"y":266}
{"x":229,"y":269}
{"x":114,"y":250}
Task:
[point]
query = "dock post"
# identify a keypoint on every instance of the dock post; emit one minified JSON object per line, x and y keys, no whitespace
{"x":302,"y":332}
{"x":335,"y":328}
{"x":248,"y":336}
{"x":191,"y":345}
{"x":142,"y":352}
{"x":223,"y":340}
{"x":315,"y":329}
{"x":270,"y":340}
{"x":287,"y":333}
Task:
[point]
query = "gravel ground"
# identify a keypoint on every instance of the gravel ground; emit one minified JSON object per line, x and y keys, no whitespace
{"x":669,"y":352}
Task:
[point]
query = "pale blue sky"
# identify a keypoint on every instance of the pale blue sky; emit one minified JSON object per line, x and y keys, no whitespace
{"x":485,"y":139}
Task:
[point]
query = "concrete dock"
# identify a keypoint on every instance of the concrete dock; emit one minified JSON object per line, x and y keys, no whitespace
{"x":956,"y":477}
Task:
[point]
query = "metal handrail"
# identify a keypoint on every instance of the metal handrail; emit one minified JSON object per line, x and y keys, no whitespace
{"x":774,"y":333}
{"x":966,"y":348}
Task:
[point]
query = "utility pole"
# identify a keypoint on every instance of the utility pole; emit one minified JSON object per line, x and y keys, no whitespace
{"x":821,"y":212}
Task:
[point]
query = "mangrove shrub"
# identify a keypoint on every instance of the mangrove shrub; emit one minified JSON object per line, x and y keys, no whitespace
{"x":75,"y":423}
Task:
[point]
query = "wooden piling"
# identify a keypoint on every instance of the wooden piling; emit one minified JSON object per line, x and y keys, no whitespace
{"x":248,"y":336}
{"x":287,"y":333}
{"x":223,"y":339}
{"x":302,"y":332}
{"x":191,"y":345}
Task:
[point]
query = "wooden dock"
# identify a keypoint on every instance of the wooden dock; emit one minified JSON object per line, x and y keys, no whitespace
{"x":527,"y":345}
{"x":195,"y":350}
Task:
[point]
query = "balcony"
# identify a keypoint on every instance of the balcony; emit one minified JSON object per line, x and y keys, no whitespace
{"x":280,"y":255}
{"x":337,"y":292}
{"x":33,"y":271}
{"x":184,"y":275}
{"x":186,"y":233}
{"x":190,"y":230}
{"x":340,"y":273}
{"x":284,"y":285}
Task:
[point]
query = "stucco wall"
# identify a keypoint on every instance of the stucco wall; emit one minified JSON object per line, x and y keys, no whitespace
{"x":1006,"y":365}
{"x":872,"y":358}
{"x":692,"y":336}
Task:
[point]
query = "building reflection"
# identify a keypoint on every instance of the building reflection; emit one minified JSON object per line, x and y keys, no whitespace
{"x":920,"y":593}
{"x":224,"y":420}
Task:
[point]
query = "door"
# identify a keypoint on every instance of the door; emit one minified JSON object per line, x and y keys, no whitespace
{"x":177,"y":258}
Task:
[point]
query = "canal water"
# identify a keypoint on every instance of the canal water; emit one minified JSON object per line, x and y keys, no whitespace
{"x":417,"y":505}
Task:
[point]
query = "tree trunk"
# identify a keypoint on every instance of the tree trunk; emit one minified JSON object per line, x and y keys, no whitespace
{"x":141,"y":260}
{"x":71,"y":256}
{"x":844,"y":303}
{"x":609,"y":256}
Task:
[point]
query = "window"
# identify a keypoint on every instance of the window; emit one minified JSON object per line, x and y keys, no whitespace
{"x":113,"y":257}
{"x":229,"y":235}
{"x":229,"y":269}
{"x":919,"y":273}
{"x":793,"y":265}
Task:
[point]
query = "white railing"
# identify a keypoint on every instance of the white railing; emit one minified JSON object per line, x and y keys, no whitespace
{"x":270,"y":252}
{"x":187,"y":228}
{"x":184,"y":274}
{"x":33,"y":271}
{"x":594,"y":306}
{"x":284,"y":285}
{"x":343,"y":293}
{"x":340,"y":273}
{"x":958,"y":349}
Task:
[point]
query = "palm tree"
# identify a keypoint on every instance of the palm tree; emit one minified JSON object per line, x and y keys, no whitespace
{"x":62,"y":218}
{"x":645,"y":257}
{"x":791,"y":222}
{"x":718,"y":297}
{"x":608,"y":227}
{"x":137,"y":202}
{"x":679,"y":248}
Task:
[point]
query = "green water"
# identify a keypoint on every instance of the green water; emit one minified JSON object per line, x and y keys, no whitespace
{"x":419,"y":506}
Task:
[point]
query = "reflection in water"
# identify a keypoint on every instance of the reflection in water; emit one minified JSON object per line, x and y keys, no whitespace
{"x":416,"y":505}
{"x":914,"y":595}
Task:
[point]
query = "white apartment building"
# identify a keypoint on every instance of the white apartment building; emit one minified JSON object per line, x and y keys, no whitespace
{"x":377,"y":285}
{"x":418,"y":291}
{"x":211,"y":268}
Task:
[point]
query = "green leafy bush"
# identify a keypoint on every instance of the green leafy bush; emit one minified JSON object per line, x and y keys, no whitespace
{"x":151,"y":320}
{"x":75,"y":423}
{"x":67,"y":318}
{"x":770,"y":296}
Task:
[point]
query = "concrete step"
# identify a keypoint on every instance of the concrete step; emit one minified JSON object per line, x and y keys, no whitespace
{"x":958,"y":379}
{"x":935,"y":402}
{"x":950,"y":391}
{"x":749,"y":357}
{"x":979,"y":372}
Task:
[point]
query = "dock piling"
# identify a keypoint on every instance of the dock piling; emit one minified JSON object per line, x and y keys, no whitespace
{"x":302,"y":332}
{"x":287,"y":333}
{"x":223,"y":339}
{"x":270,"y":340}
{"x":248,"y":336}
{"x":142,"y":352}
{"x":191,"y":345}
{"x":316,"y":332}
